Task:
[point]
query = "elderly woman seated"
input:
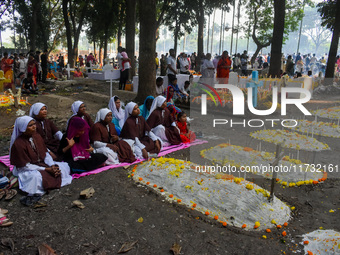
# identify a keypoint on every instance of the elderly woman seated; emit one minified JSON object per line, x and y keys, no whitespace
{"x":106,"y":141}
{"x":138,"y":134}
{"x":36,"y":171}
{"x":46,"y":128}
{"x":76,"y":150}
{"x":162,"y":123}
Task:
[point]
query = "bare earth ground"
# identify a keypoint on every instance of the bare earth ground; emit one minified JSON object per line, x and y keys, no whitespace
{"x":109,"y":218}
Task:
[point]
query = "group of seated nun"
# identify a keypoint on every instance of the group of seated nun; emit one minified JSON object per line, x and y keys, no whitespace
{"x":44,"y":158}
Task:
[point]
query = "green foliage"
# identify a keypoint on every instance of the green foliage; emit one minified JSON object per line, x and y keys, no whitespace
{"x":327,"y":10}
{"x":261,"y":18}
{"x":102,"y":19}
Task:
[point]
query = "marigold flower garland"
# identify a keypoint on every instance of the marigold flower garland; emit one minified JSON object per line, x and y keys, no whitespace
{"x":226,"y":154}
{"x":290,"y":140}
{"x":317,"y":128}
{"x":219,"y":198}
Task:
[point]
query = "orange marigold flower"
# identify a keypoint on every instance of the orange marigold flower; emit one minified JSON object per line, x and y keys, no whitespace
{"x":224,"y":224}
{"x":306,"y":242}
{"x":268,"y":230}
{"x":192,"y":208}
{"x":323,"y":179}
{"x":216,"y":217}
{"x":255,"y":226}
{"x":147,"y":183}
{"x":315,"y":182}
{"x":310,"y":253}
{"x":155,"y":186}
{"x":162,"y":190}
{"x":285,"y":224}
{"x":197,"y":218}
{"x":171,"y":196}
{"x":207,"y":213}
{"x":194,"y":205}
{"x":140,"y":178}
{"x":179,"y":200}
{"x":279,"y":226}
{"x":132,"y":174}
{"x":244,"y":226}
{"x":284,"y":233}
{"x":277,"y":179}
{"x":133,"y":170}
{"x":247,"y":149}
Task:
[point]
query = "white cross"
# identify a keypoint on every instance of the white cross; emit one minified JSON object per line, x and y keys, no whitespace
{"x":110,"y":87}
{"x":68,"y":69}
{"x":91,"y":67}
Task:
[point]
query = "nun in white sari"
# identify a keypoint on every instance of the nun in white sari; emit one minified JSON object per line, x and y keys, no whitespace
{"x":99,"y":146}
{"x":34,"y":166}
{"x":118,"y":114}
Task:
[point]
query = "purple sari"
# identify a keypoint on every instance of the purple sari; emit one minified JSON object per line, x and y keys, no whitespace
{"x":78,"y":150}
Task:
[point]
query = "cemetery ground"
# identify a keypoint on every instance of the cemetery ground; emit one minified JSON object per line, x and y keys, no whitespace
{"x":122,"y":211}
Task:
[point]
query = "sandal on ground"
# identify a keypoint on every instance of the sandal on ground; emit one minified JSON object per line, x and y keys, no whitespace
{"x":10,"y":194}
{"x":4,"y":222}
{"x":13,"y":182}
{"x":3,"y":211}
{"x":29,"y":200}
{"x":2,"y":193}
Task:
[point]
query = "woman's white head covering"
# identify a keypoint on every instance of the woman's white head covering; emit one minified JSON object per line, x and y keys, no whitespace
{"x":75,"y":107}
{"x":20,"y":127}
{"x":128,"y":109}
{"x":35,"y":109}
{"x":118,"y":114}
{"x":101,"y":114}
{"x":157,"y":102}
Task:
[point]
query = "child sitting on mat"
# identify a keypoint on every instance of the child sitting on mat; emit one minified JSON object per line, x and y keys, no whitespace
{"x":187,"y":136}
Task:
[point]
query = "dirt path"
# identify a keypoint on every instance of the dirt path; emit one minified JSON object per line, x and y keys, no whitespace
{"x":110,"y":217}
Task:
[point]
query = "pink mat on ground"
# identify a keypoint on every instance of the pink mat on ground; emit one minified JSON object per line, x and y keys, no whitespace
{"x":163,"y":152}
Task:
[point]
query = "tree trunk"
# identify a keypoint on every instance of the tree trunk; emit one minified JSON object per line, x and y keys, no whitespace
{"x":276,"y":50}
{"x":100,"y":52}
{"x":73,"y":31}
{"x":105,"y":44}
{"x":334,"y":47}
{"x":200,"y":19}
{"x":94,"y":48}
{"x":120,"y":24}
{"x":175,"y":40}
{"x":258,"y":49}
{"x":68,"y":30}
{"x":36,"y":6}
{"x":147,"y":49}
{"x":130,"y":33}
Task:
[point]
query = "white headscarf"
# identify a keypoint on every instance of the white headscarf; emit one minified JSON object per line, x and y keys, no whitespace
{"x":119,"y":115}
{"x":128,"y":110}
{"x":75,"y":107}
{"x":35,"y":109}
{"x":20,"y":127}
{"x":157,"y":102}
{"x":101,"y":114}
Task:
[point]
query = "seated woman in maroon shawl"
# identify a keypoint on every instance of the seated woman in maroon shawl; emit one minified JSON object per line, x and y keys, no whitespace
{"x":105,"y":140}
{"x":76,"y":150}
{"x":162,"y":123}
{"x":137,"y":133}
{"x":33,"y":165}
{"x":46,"y":128}
{"x":79,"y":110}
